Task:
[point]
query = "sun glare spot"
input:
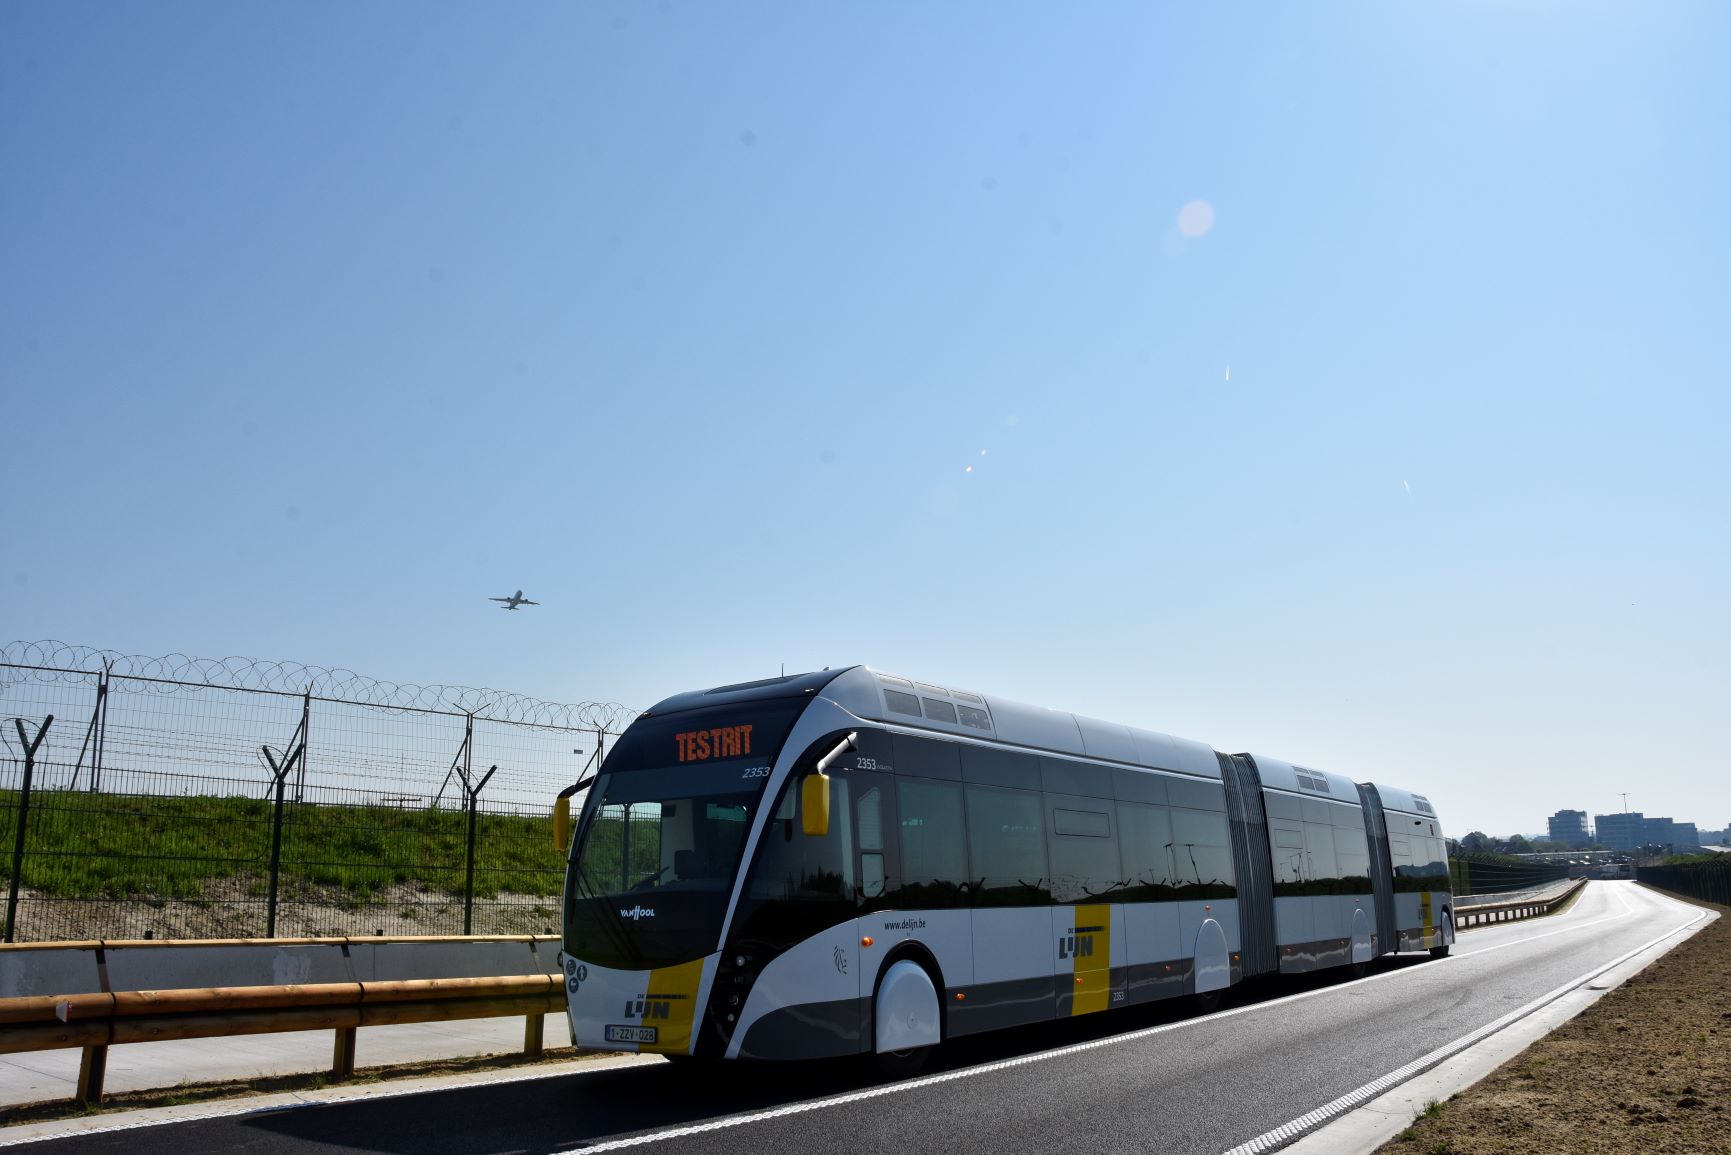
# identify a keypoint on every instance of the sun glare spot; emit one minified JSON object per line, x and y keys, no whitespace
{"x":1196,"y":218}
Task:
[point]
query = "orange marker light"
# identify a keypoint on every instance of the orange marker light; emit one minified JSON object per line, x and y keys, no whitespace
{"x":866,"y":941}
{"x":960,"y":997}
{"x":1078,"y":980}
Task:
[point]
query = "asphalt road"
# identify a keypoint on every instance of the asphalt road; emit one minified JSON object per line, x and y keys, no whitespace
{"x":1127,"y":1081}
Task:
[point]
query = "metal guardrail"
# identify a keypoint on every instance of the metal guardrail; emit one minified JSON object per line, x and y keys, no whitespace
{"x":61,"y":995}
{"x":1543,"y":890}
{"x":1519,"y":908}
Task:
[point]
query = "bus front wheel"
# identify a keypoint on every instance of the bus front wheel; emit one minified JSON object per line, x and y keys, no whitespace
{"x":907,"y":1018}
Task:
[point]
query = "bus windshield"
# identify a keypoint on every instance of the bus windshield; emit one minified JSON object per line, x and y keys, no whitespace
{"x":663,"y":832}
{"x":652,"y":833}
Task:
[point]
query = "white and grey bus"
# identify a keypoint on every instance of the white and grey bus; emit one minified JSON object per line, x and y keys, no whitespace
{"x":852,"y":862}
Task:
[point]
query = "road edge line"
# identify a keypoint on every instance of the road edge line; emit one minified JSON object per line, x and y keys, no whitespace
{"x":1373,"y":1106}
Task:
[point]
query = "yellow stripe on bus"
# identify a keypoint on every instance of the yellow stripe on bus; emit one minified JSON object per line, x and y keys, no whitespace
{"x":675,"y":988}
{"x":1092,"y":968}
{"x":1429,"y":922}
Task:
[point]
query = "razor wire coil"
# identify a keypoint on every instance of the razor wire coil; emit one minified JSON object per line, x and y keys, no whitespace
{"x":51,"y":661}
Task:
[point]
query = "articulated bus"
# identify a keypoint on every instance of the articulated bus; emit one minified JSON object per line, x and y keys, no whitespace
{"x":852,"y":862}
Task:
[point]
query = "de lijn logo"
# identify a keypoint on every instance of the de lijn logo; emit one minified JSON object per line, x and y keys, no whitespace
{"x":647,"y":1007}
{"x":1079,"y":943}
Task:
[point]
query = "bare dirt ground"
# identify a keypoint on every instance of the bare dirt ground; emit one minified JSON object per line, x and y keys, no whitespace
{"x":1645,"y":1069}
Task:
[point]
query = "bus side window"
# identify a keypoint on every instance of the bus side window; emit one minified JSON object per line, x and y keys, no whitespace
{"x":933,"y":843}
{"x":1201,"y":853}
{"x":1146,"y":836}
{"x":1008,"y":841}
{"x":871,"y":842}
{"x":1084,"y":848}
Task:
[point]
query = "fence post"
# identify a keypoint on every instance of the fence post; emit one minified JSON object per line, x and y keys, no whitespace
{"x":306,"y":736}
{"x":89,"y":743}
{"x":474,"y":800}
{"x":101,"y":729}
{"x":279,"y":779}
{"x":30,"y":745}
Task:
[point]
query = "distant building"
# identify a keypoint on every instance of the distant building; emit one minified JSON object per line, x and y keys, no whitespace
{"x":1620,"y":831}
{"x":1659,"y":832}
{"x":1570,"y":827}
{"x":1667,"y":832}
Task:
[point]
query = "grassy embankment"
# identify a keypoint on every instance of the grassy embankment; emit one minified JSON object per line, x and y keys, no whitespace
{"x":92,"y":846}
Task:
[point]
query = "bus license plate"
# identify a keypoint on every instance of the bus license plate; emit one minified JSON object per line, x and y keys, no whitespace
{"x":630,"y":1034}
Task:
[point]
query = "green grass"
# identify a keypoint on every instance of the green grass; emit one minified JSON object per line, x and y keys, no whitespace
{"x":82,"y":845}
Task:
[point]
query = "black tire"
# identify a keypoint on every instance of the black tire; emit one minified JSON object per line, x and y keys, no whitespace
{"x":1206,"y":1002}
{"x":1359,"y":970}
{"x":903,"y":1064}
{"x":1443,"y":950}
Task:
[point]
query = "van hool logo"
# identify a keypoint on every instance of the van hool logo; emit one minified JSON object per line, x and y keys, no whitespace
{"x":638,"y":912}
{"x":1079,"y":943}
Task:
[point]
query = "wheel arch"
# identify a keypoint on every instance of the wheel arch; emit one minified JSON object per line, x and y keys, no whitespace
{"x":916,"y":952}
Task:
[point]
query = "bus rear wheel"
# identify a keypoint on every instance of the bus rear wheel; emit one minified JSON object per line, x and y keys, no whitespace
{"x":1443,"y":950}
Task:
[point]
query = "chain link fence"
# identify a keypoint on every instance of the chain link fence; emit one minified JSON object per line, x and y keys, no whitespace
{"x":182,"y":798}
{"x":1473,"y":874}
{"x":1708,"y":881}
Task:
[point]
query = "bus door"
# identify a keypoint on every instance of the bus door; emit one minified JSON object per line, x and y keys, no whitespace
{"x":874,"y":824}
{"x":1012,"y":916}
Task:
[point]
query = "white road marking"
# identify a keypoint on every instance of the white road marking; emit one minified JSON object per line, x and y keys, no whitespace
{"x":1314,"y":1119}
{"x":1627,"y":911}
{"x":1287,"y":1132}
{"x":165,"y":1116}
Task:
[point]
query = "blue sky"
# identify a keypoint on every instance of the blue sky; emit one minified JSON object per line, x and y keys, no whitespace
{"x":325,"y":322}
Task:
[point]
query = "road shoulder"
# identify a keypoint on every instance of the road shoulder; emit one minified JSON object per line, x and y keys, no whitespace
{"x":1605,"y":1067}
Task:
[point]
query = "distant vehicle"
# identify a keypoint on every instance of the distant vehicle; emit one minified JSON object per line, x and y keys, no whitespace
{"x":515,"y":600}
{"x":848,"y":861}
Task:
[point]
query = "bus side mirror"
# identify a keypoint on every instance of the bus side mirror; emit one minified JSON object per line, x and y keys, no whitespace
{"x":814,"y":804}
{"x":562,"y":823}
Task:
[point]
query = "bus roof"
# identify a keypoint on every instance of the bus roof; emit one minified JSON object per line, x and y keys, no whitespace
{"x":895,"y":700}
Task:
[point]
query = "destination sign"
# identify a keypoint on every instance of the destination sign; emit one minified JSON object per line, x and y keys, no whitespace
{"x":721,"y":742}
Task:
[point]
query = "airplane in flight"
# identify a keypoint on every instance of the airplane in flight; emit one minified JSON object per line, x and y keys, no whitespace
{"x":515,"y":600}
